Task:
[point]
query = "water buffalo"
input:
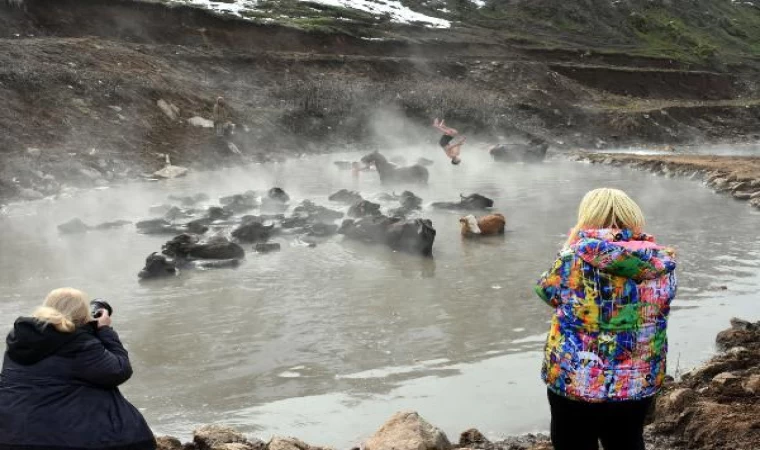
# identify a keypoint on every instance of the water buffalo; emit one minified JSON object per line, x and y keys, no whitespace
{"x":345,"y":196}
{"x":162,"y":226}
{"x":159,"y":266}
{"x":240,"y":202}
{"x":276,"y":200}
{"x":316,"y":213}
{"x":534,"y":151}
{"x":416,"y":174}
{"x":111,"y":225}
{"x":321,"y":229}
{"x":278,"y":194}
{"x":364,"y":208}
{"x":470,"y":203}
{"x":409,"y":203}
{"x":75,"y":226}
{"x":189,"y":247}
{"x":253,"y":232}
{"x":413,"y":236}
{"x":482,"y":226}
{"x":187,"y":251}
{"x":266,"y":247}
{"x":175,"y":213}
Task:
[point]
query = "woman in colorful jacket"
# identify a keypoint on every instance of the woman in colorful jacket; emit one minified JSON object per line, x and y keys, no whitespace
{"x":611,"y":289}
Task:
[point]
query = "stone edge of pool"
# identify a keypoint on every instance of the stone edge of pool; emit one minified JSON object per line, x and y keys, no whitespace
{"x":737,"y":176}
{"x":714,"y":406}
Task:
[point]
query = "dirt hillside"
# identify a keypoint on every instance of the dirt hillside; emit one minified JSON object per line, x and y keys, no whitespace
{"x":81,"y":81}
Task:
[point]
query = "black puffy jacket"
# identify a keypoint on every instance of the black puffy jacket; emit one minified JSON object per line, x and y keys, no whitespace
{"x":59,"y":391}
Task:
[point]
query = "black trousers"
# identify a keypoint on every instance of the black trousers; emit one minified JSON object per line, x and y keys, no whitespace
{"x":580,"y":425}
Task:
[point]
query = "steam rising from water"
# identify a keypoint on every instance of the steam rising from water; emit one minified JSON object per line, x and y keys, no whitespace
{"x":325,"y":343}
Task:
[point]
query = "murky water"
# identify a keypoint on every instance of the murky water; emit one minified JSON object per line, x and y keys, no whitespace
{"x":326,"y":343}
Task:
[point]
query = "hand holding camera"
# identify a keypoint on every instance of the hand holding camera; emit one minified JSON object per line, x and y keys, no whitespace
{"x":101,"y":311}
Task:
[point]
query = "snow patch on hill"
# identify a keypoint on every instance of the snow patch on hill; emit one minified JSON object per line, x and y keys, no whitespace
{"x":398,"y":12}
{"x":393,"y":8}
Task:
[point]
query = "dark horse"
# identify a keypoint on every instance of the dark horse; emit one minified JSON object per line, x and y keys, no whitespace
{"x":389,"y":173}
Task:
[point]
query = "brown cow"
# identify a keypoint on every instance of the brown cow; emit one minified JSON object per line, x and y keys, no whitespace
{"x":484,"y":226}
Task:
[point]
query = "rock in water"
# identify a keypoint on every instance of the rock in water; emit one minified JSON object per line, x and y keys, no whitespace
{"x":209,"y":437}
{"x":470,"y":437}
{"x":408,"y":431}
{"x":200,"y":122}
{"x":73,"y":226}
{"x":168,"y":443}
{"x":287,"y":443}
{"x":170,"y":171}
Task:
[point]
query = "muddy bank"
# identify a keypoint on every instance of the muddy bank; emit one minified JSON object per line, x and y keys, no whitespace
{"x":713,"y":407}
{"x":734,"y":176}
{"x":716,"y":406}
{"x":81,"y":96}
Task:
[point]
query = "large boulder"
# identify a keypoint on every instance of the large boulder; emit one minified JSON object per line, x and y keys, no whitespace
{"x":741,"y":333}
{"x":471,"y":437}
{"x":168,"y":443}
{"x":289,"y":443}
{"x":408,"y":431}
{"x":220,"y":437}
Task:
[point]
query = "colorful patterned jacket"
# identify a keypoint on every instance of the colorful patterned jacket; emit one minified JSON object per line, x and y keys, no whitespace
{"x":611,"y":291}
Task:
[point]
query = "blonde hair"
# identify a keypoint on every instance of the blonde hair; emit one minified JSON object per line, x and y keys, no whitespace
{"x":608,"y":208}
{"x":65,"y":309}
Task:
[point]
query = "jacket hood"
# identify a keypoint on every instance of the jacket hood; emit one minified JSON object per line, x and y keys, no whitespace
{"x":31,"y":340}
{"x":624,"y":253}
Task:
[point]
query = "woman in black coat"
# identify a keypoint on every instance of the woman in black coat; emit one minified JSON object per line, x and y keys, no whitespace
{"x":59,"y":382}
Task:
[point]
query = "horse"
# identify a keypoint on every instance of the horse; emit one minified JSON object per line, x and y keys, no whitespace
{"x":415,"y":174}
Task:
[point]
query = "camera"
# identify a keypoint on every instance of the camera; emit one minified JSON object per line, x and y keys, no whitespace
{"x":99,"y":304}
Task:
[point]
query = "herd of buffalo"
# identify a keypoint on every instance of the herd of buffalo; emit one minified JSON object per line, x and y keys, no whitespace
{"x":212,"y":237}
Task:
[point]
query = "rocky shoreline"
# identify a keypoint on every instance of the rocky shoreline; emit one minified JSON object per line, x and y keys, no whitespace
{"x":737,"y":176}
{"x":715,"y":406}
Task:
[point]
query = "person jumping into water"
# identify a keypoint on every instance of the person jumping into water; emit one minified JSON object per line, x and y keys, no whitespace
{"x":450,"y":145}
